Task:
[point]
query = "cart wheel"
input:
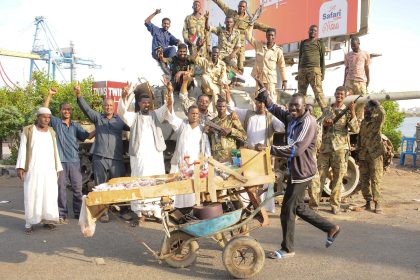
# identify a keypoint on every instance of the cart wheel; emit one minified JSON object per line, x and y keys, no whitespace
{"x":243,"y":257}
{"x":183,"y":256}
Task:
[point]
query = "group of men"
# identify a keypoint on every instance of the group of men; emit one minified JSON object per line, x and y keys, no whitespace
{"x":48,"y":155}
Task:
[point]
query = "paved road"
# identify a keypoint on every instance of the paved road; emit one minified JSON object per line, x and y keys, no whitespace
{"x":366,"y":249}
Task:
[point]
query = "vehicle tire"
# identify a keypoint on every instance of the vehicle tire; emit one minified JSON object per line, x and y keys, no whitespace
{"x":350,"y":180}
{"x":243,"y":257}
{"x":183,"y":256}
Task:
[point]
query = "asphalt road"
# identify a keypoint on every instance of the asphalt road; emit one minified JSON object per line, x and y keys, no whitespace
{"x":367,"y":248}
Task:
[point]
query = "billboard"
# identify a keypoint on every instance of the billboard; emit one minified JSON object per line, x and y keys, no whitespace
{"x":292,"y":18}
{"x":109,"y":89}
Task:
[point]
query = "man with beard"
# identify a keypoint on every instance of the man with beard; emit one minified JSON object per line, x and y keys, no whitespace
{"x":162,"y":38}
{"x":177,"y":66}
{"x":38,"y":165}
{"x":146,"y":145}
{"x":301,"y":138}
{"x":68,"y":134}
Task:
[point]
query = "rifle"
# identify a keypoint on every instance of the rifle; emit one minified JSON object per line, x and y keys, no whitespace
{"x":342,"y":113}
{"x":213,"y":125}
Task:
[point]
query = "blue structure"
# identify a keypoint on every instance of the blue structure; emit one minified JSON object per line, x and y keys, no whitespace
{"x":55,"y":56}
{"x":408,"y":148}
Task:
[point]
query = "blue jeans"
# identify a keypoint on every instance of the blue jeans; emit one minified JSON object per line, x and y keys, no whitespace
{"x":71,"y":173}
{"x":168,"y":52}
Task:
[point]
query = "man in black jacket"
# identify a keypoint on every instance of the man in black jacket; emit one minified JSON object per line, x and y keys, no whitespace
{"x":301,"y":138}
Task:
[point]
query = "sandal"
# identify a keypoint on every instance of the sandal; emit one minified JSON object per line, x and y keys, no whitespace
{"x":280,"y":254}
{"x":138,"y":221}
{"x":29,"y":231}
{"x":331,"y":239}
{"x":50,"y":226}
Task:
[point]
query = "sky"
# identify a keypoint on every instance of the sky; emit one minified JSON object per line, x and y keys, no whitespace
{"x":113,"y":34}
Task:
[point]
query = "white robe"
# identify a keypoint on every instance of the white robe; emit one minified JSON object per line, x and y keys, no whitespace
{"x":192,"y":148}
{"x":40,"y":181}
{"x":148,"y":161}
{"x":256,"y":134}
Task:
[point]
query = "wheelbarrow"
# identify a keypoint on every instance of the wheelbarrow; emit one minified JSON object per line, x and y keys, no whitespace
{"x":243,"y":256}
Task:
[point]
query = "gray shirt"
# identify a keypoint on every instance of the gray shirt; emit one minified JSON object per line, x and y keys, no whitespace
{"x":108,"y":139}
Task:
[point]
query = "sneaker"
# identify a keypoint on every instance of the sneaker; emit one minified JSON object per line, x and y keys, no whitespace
{"x":63,"y":221}
{"x":280,"y":254}
{"x":104,"y":218}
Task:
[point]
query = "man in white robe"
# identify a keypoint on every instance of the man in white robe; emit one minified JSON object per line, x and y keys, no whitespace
{"x":191,"y":143}
{"x":259,"y":126}
{"x":146,"y":146}
{"x":37,"y":166}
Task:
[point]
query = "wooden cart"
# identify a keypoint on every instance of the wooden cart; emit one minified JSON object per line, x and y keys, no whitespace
{"x":243,"y":256}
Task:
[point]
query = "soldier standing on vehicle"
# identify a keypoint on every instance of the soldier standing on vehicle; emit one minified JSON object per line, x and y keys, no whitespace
{"x":229,"y":41}
{"x":107,"y":150}
{"x":68,"y":134}
{"x":356,"y":74}
{"x":335,"y":146}
{"x":268,"y":57}
{"x":311,"y":68}
{"x":241,"y":22}
{"x":301,"y":138}
{"x":194,"y":31}
{"x":371,"y":150}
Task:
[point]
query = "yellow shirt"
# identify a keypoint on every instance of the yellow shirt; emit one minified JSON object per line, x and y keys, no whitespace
{"x":266,"y":60}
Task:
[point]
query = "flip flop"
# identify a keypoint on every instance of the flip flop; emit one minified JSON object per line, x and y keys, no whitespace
{"x":280,"y":254}
{"x":331,"y":239}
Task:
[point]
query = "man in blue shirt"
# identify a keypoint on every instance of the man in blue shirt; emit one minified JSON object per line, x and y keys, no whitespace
{"x":162,"y":38}
{"x":68,"y":133}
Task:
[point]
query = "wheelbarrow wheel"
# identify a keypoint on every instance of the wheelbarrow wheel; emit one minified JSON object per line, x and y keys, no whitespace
{"x":243,"y":257}
{"x":182,"y":256}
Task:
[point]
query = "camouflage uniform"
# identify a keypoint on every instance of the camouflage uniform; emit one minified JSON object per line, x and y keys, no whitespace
{"x":222,"y":146}
{"x":175,"y":65}
{"x":334,"y":152}
{"x":227,"y":43}
{"x":311,"y":69}
{"x":241,"y":22}
{"x":315,"y":187}
{"x":371,"y":152}
{"x":194,"y":26}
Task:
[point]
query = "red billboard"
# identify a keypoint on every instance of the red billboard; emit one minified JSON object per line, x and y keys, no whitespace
{"x":110,"y":90}
{"x":292,"y":18}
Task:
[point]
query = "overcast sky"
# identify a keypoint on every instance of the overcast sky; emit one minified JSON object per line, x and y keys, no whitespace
{"x":113,"y":34}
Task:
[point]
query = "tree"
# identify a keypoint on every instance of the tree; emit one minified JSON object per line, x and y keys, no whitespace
{"x":393,"y":120}
{"x":18,"y":106}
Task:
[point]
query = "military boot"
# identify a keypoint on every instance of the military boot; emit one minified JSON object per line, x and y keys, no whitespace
{"x":378,"y":208}
{"x":368,"y":205}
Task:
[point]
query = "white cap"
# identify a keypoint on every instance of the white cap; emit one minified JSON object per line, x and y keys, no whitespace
{"x":43,"y":110}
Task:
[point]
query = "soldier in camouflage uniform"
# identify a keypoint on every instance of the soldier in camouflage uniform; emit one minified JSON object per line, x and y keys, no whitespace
{"x":228,"y":41}
{"x":241,"y":22}
{"x":194,"y":29}
{"x":311,"y":68}
{"x":335,"y":146}
{"x":223,"y":142}
{"x":178,"y":65}
{"x":371,"y":152}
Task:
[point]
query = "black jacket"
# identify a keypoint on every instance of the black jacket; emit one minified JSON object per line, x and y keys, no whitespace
{"x":301,"y":139}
